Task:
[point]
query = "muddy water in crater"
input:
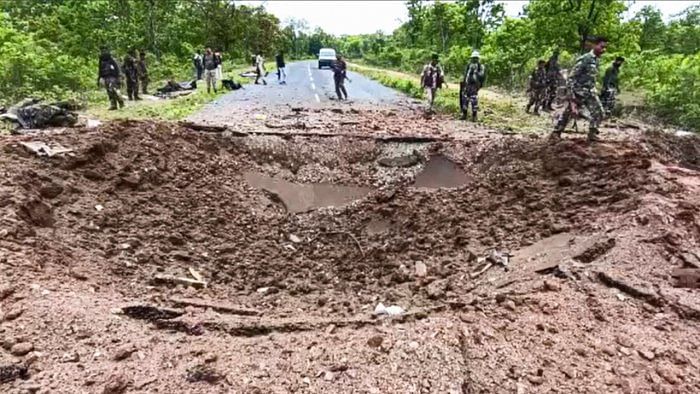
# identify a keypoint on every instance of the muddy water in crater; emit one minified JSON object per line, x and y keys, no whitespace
{"x":441,"y":172}
{"x":306,"y":197}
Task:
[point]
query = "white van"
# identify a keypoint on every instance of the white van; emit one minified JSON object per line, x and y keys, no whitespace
{"x":326,"y":57}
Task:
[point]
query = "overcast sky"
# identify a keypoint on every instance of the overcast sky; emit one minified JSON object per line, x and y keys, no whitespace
{"x":358,"y":17}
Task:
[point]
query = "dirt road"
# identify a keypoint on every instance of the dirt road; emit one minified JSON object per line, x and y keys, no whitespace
{"x":157,"y":258}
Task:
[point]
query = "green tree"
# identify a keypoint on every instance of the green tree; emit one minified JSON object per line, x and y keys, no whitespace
{"x":653,"y":28}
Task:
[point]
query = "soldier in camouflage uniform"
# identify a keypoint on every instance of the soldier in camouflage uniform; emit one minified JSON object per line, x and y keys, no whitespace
{"x":582,"y":92}
{"x":553,"y":78}
{"x":143,"y":72}
{"x":610,"y":85}
{"x":474,"y":76}
{"x":537,"y":87}
{"x":131,"y":72}
{"x":431,"y":79}
{"x":108,"y":74}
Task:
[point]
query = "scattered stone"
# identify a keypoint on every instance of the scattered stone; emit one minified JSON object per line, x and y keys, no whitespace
{"x":210,"y":358}
{"x":647,"y":354}
{"x":595,"y":251}
{"x":581,"y":351}
{"x":328,"y":376}
{"x":625,"y":350}
{"x":624,"y":341}
{"x":116,"y":384}
{"x":375,"y":341}
{"x":202,"y":373}
{"x":14,"y":313}
{"x":421,"y":269}
{"x":436,"y":290}
{"x":6,"y":291}
{"x":550,"y":285}
{"x":31,"y":387}
{"x":22,"y":348}
{"x":509,"y":304}
{"x":124,"y":353}
{"x":70,"y":357}
{"x":51,"y":190}
{"x":569,"y":372}
{"x":536,"y":380}
{"x":393,"y":310}
{"x":668,"y":374}
{"x":294,"y":238}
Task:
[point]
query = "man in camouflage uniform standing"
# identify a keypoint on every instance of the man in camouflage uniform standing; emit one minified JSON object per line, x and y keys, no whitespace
{"x":108,"y":74}
{"x":474,"y":76}
{"x":537,"y":87}
{"x":143,"y":72}
{"x":432,"y":79}
{"x":131,"y":72}
{"x":582,"y":92}
{"x":610,"y":85}
{"x":553,"y":77}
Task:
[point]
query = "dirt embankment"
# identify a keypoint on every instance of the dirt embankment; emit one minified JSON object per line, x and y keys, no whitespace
{"x":154,"y":258}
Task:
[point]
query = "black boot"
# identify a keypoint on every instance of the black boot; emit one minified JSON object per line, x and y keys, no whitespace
{"x":464,"y":115}
{"x":474,"y":116}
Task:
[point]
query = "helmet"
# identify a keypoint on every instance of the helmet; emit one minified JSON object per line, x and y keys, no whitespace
{"x":475,"y":54}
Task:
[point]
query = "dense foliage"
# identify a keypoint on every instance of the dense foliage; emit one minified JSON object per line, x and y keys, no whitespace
{"x":49,"y":47}
{"x":662,"y":57}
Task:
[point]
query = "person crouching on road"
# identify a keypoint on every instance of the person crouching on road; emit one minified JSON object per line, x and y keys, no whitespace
{"x":340,"y":69}
{"x":210,"y":65}
{"x":108,"y":74}
{"x":259,"y":69}
{"x":432,"y":79}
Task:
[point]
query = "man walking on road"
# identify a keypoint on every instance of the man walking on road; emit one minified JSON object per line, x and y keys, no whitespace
{"x":108,"y":73}
{"x":210,"y":66}
{"x":610,"y":85}
{"x":432,"y":79}
{"x":131,"y":72}
{"x":259,"y":69}
{"x":474,"y":76}
{"x":281,"y":70}
{"x":582,"y":92}
{"x":340,"y":69}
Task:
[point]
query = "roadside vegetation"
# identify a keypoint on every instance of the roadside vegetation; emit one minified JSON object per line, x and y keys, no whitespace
{"x":49,"y":49}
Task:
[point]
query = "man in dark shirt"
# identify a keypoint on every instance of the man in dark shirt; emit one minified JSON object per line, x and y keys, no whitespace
{"x":281,"y":71}
{"x":339,"y":75}
{"x":610,"y":85}
{"x":131,"y":72}
{"x":108,"y":74}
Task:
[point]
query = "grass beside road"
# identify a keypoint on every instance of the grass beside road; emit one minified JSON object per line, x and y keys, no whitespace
{"x":164,"y":109}
{"x":497,"y":110}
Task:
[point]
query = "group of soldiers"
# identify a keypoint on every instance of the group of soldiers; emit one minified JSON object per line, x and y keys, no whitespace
{"x":134,"y":69}
{"x":543,"y":86}
{"x":433,"y":78}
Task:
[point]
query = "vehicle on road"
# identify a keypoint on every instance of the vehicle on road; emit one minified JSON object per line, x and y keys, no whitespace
{"x":326,"y":57}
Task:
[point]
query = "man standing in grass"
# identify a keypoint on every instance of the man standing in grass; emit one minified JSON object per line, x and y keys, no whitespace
{"x":553,"y":77}
{"x":108,"y":74}
{"x":431,"y":79}
{"x":474,"y":76}
{"x":582,"y":92}
{"x":537,"y":87}
{"x":210,"y":66}
{"x":143,"y":72}
{"x":131,"y":72}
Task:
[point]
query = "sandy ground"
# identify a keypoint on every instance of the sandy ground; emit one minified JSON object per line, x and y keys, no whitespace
{"x":157,"y":258}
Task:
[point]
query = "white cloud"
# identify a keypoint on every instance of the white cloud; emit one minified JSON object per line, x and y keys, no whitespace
{"x":359,"y":17}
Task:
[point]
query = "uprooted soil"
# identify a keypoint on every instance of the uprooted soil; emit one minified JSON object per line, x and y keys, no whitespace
{"x":145,"y":261}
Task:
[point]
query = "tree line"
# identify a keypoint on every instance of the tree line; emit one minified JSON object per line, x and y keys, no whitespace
{"x":49,"y":47}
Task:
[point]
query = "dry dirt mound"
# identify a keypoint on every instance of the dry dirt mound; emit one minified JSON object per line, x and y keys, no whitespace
{"x":542,"y":269}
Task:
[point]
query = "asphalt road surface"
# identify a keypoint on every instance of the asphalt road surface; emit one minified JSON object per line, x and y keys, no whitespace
{"x":307,"y":86}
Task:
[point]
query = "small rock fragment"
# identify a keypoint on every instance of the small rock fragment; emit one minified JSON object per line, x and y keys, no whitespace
{"x":536,"y":380}
{"x":375,"y":341}
{"x":294,"y":238}
{"x":668,"y":374}
{"x":14,"y":313}
{"x":647,"y":354}
{"x":123,"y":353}
{"x":70,"y":357}
{"x":421,"y":269}
{"x":22,"y":348}
{"x":116,"y":384}
{"x":550,"y":285}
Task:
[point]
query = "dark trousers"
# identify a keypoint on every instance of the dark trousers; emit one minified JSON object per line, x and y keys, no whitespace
{"x":340,"y":88}
{"x":132,"y":89}
{"x":144,"y":85}
{"x":112,"y":87}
